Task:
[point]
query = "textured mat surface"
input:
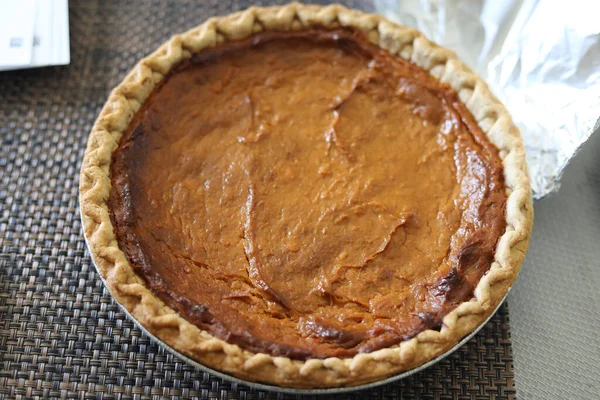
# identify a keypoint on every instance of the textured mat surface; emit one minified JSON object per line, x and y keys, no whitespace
{"x":61,"y":335}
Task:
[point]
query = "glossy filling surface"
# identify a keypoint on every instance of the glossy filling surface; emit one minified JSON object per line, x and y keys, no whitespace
{"x":307,"y":194}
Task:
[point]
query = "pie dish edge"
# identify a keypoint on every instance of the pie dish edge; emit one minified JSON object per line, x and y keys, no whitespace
{"x":129,"y":290}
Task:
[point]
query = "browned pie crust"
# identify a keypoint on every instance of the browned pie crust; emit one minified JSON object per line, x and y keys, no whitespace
{"x":300,"y":206}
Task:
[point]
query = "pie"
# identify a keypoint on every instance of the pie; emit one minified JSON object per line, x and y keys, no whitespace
{"x":306,"y":196}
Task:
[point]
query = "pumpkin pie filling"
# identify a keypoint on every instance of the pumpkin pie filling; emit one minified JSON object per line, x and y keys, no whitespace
{"x":306,"y":194}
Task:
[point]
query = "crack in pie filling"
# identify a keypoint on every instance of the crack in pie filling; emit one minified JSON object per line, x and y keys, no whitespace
{"x":306,"y":194}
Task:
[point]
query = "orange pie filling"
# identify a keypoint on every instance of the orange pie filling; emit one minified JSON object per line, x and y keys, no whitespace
{"x":306,"y":194}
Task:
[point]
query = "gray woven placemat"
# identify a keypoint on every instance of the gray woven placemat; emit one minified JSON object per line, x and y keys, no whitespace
{"x":61,"y":335}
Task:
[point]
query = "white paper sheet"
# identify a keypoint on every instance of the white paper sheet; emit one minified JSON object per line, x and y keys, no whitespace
{"x":40,"y":27}
{"x":17,"y":22}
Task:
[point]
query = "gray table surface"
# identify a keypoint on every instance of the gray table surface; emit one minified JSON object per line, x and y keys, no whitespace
{"x":555,"y":320}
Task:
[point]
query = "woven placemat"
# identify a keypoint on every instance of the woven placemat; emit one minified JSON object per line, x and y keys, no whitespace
{"x":61,"y":335}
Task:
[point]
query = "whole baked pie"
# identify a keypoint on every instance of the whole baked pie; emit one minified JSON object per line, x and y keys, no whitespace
{"x":306,"y":196}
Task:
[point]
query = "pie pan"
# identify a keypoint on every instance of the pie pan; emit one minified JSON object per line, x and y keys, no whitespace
{"x":272,"y":370}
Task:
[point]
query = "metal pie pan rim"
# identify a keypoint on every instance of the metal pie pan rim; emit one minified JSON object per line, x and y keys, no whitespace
{"x":282,"y":389}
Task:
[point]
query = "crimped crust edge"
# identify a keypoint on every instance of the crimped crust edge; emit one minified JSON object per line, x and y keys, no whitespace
{"x":129,"y":290}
